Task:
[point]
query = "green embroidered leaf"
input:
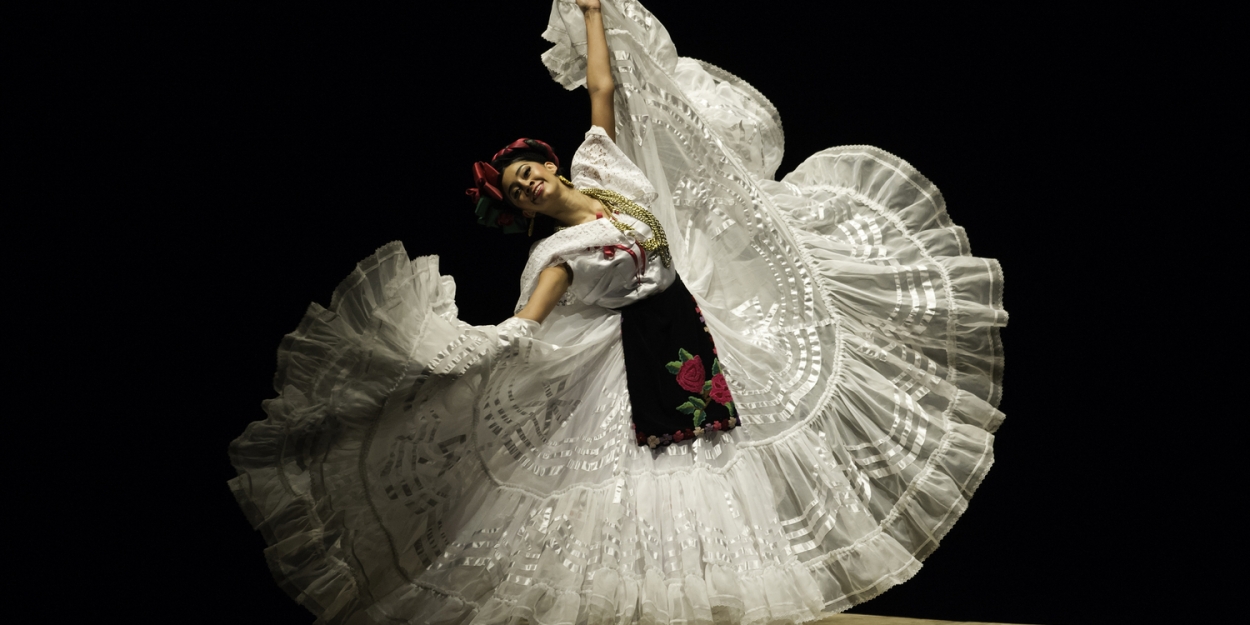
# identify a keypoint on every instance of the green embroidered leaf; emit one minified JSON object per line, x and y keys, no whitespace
{"x":685,"y":355}
{"x":673,"y":367}
{"x":697,"y":402}
{"x":730,"y":408}
{"x":700,"y":416}
{"x":687,"y":408}
{"x":715,"y":366}
{"x":707,"y":387}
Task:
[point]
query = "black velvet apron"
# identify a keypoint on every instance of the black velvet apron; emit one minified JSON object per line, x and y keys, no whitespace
{"x":674,"y":391}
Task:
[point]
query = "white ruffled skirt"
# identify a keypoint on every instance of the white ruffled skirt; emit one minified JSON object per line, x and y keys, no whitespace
{"x":409,"y":473}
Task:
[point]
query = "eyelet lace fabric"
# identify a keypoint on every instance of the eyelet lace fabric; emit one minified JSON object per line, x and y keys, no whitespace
{"x":417,"y":469}
{"x":600,"y":164}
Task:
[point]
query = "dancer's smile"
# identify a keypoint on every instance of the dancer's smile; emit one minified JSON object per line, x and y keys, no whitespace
{"x":526,"y":183}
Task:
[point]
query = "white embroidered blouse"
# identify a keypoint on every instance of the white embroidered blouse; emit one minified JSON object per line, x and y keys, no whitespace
{"x":609,"y":267}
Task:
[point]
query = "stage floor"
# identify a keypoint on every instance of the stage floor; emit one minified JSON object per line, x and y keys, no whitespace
{"x":866,"y":619}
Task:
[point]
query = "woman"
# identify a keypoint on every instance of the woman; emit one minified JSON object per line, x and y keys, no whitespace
{"x":417,"y":469}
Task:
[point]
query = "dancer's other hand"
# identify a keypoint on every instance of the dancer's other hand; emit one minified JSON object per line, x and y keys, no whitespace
{"x":515,"y":328}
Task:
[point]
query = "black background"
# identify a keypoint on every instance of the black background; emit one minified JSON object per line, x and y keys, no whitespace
{"x":239,"y":160}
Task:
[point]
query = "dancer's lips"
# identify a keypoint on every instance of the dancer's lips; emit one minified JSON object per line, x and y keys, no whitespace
{"x":538,"y":191}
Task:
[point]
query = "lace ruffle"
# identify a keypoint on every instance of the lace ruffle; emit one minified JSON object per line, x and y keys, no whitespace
{"x":867,"y":217}
{"x":335,"y":373}
{"x":747,"y":123}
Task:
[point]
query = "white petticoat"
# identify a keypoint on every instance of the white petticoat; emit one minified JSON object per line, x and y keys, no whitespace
{"x":408,"y":473}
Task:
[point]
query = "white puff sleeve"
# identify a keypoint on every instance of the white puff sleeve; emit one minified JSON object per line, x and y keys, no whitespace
{"x":600,"y":164}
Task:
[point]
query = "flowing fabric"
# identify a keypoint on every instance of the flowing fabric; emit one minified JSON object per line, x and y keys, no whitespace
{"x":415,"y":469}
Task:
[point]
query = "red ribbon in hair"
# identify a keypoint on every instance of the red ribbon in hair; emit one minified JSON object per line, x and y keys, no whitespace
{"x":487,"y":180}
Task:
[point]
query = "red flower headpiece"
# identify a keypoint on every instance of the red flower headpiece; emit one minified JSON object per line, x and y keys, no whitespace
{"x":486,"y":185}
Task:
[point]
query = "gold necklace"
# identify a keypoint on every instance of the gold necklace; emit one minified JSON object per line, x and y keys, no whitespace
{"x":617,"y":203}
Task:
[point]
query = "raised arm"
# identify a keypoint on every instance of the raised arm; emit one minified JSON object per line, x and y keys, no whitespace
{"x":598,"y":69}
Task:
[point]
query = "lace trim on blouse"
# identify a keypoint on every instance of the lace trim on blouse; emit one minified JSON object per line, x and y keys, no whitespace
{"x":551,"y":251}
{"x":598,"y":163}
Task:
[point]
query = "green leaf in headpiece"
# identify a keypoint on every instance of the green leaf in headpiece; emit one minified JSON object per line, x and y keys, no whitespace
{"x":484,"y":212}
{"x":488,"y":213}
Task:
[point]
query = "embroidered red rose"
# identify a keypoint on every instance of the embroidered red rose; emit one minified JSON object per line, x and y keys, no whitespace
{"x":691,"y":376}
{"x":720,"y":390}
{"x":505,"y":218}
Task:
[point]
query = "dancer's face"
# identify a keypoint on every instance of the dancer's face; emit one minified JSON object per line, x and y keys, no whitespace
{"x":530,"y":186}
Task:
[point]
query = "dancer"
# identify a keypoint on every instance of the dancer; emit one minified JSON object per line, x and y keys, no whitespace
{"x":723,"y":398}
